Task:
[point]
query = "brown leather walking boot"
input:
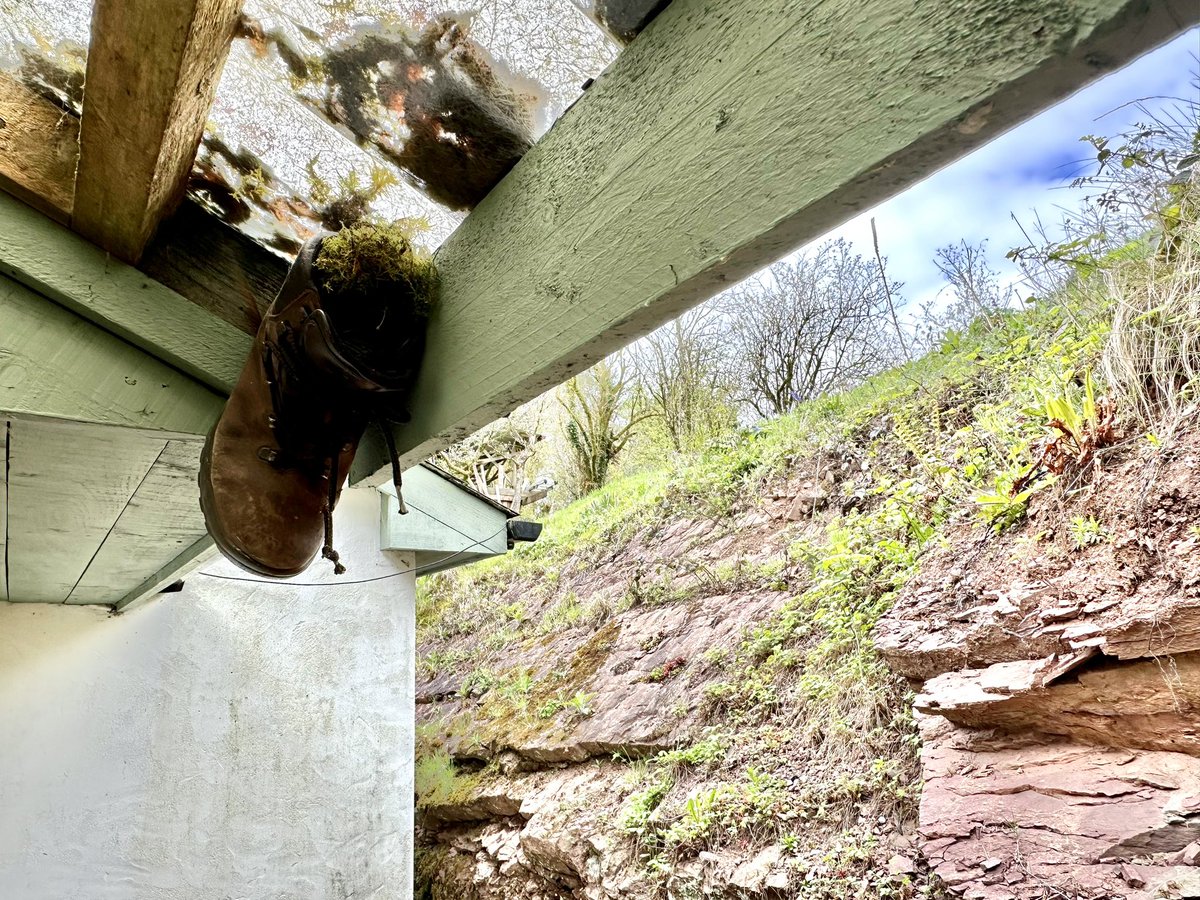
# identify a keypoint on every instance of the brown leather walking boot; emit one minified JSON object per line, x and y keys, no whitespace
{"x":324,"y":364}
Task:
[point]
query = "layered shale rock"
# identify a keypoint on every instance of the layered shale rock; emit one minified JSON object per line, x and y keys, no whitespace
{"x":1020,"y":816}
{"x":549,"y":826}
{"x":1152,"y":704}
{"x":1060,"y":695}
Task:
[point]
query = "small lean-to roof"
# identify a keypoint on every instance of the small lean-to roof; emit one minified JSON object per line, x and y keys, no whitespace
{"x":447,"y":524}
{"x":462,"y":485}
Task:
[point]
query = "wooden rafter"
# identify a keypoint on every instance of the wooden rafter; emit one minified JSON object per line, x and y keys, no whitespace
{"x":194,"y":253}
{"x":187,"y":562}
{"x":152,"y":72}
{"x":38,"y":150}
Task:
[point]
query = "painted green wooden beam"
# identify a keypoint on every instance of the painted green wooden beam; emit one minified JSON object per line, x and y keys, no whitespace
{"x":729,"y":133}
{"x":187,"y":562}
{"x":54,"y":364}
{"x":75,"y":273}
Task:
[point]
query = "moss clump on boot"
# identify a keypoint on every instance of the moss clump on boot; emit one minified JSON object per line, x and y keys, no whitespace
{"x":377,"y":264}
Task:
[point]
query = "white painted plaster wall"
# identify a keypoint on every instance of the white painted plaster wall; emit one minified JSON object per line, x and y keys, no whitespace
{"x":230,"y":742}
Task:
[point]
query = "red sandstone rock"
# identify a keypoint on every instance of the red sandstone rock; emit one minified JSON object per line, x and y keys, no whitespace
{"x":1148,"y":703}
{"x":1054,"y":814}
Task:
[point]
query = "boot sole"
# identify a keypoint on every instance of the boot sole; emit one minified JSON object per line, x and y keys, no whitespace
{"x":208,"y":508}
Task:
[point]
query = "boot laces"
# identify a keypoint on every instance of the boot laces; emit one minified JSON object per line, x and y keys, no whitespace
{"x":285,"y":376}
{"x":279,"y":363}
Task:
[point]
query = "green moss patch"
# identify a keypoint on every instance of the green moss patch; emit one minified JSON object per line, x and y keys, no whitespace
{"x":377,"y":263}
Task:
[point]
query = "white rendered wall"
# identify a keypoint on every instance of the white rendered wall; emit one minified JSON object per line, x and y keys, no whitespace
{"x":229,"y":742}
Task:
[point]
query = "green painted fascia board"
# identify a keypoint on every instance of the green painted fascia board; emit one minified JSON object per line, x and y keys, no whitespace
{"x":57,"y":365}
{"x":70,"y":270}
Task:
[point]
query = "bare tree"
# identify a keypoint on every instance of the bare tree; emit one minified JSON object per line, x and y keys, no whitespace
{"x":599,"y":420}
{"x":681,"y":368}
{"x":805,"y":328}
{"x":977,"y":292}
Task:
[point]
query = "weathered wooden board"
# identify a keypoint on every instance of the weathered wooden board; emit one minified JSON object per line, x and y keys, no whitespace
{"x":72,"y":271}
{"x":68,"y":484}
{"x":193,"y":252}
{"x":726,"y":135}
{"x":161,"y":521}
{"x":39,"y":146}
{"x":152,"y":72}
{"x":54,"y":363}
{"x":180,"y":567}
{"x":214,"y":265}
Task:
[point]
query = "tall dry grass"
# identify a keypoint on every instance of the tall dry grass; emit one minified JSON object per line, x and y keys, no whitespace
{"x":1152,"y":360}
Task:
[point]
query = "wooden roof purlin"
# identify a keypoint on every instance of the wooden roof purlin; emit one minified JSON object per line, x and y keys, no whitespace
{"x":723,"y":136}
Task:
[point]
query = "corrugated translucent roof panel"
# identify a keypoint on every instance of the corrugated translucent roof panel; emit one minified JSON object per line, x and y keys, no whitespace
{"x":400,"y":108}
{"x":45,"y":43}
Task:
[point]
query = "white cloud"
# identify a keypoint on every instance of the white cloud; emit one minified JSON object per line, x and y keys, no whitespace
{"x":1023,"y":171}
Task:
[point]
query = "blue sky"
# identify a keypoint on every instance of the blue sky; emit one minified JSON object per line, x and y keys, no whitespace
{"x":1029,"y":168}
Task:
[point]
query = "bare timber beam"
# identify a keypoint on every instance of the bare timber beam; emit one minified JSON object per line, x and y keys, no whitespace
{"x":38,"y":150}
{"x":152,"y":71}
{"x":214,"y":265}
{"x":726,"y":135}
{"x":193,"y":252}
